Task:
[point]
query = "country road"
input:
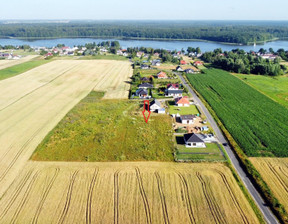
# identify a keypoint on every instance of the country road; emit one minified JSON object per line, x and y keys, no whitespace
{"x":268,"y":215}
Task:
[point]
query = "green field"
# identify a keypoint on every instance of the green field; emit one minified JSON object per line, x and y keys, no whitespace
{"x":192,"y":109}
{"x":274,"y":87}
{"x":108,"y":130}
{"x":104,"y":57}
{"x":257,"y":123}
{"x":19,"y":69}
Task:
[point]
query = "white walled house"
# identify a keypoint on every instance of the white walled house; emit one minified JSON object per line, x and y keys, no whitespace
{"x":187,"y":119}
{"x":193,"y":141}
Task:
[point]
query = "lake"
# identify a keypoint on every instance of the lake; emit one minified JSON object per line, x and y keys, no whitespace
{"x":168,"y":45}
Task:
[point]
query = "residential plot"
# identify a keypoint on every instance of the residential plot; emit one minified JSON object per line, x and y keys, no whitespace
{"x":33,"y":103}
{"x":129,"y":192}
{"x":275,"y":173}
{"x":9,"y":63}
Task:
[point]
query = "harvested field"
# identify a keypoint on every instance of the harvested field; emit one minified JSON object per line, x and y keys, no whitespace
{"x":127,"y":192}
{"x":8,"y":63}
{"x":275,"y":173}
{"x":31,"y":104}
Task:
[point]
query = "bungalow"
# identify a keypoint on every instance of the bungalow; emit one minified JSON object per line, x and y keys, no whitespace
{"x":144,"y":66}
{"x":189,"y":71}
{"x":142,"y":93}
{"x":48,"y":55}
{"x":193,"y":141}
{"x":174,"y":93}
{"x":187,"y":119}
{"x":198,"y":63}
{"x":182,"y":62}
{"x":161,"y":111}
{"x":155,"y":105}
{"x":155,"y":63}
{"x":182,"y":102}
{"x":162,"y":75}
{"x":139,"y":54}
{"x":173,"y":86}
{"x":179,"y":69}
{"x":145,"y":86}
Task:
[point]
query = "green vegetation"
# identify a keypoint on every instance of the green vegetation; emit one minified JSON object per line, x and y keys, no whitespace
{"x":210,"y":153}
{"x":106,"y":57}
{"x":230,"y":32}
{"x":19,"y":69}
{"x":257,"y":123}
{"x":276,"y":87}
{"x":108,"y":130}
{"x":192,"y":109}
{"x":239,"y":61}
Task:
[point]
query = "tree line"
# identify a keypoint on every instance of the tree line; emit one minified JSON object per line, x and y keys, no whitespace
{"x":230,"y":33}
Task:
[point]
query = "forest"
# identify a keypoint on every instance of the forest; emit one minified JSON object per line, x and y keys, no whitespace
{"x":229,"y":32}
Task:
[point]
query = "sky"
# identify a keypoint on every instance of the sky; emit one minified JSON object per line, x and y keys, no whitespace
{"x":144,"y":10}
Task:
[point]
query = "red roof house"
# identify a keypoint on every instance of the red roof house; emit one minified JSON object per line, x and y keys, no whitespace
{"x":196,"y":63}
{"x":162,"y":75}
{"x":182,"y":62}
{"x":182,"y":101}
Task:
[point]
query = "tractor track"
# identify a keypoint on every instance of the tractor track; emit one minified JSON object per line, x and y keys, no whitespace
{"x":44,"y":196}
{"x":143,"y":195}
{"x":187,"y":198}
{"x":162,"y":198}
{"x":90,"y":195}
{"x":68,"y":198}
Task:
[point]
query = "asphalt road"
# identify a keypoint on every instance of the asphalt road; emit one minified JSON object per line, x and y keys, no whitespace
{"x":268,"y":215}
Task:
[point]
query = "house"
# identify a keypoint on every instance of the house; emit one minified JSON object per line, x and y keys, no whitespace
{"x":207,"y":138}
{"x":139,"y":54}
{"x":144,"y":66}
{"x":48,"y":55}
{"x":142,"y":93}
{"x":162,"y":75}
{"x":179,"y":69}
{"x":145,"y":86}
{"x":189,"y":71}
{"x":161,"y":111}
{"x":182,"y":102}
{"x":187,"y":119}
{"x":198,"y":63}
{"x":182,"y":62}
{"x":173,"y":86}
{"x":155,"y":105}
{"x":145,"y":79}
{"x":174,"y":93}
{"x":269,"y":56}
{"x":155,"y":63}
{"x":193,"y":141}
{"x":156,"y":54}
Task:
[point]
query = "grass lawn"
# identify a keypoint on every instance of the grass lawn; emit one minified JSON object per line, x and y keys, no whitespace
{"x":108,"y":130}
{"x":106,"y":57}
{"x":274,"y":87}
{"x":19,"y":69}
{"x":210,"y":153}
{"x":192,"y":109}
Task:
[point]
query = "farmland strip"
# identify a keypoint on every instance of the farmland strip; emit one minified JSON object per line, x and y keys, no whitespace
{"x":68,"y":197}
{"x":144,"y":197}
{"x":284,"y":185}
{"x":90,"y":194}
{"x":162,"y":198}
{"x":187,"y":198}
{"x":44,"y":196}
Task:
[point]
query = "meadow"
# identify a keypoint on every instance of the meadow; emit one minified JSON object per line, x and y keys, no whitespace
{"x":126,"y":192}
{"x":108,"y":130}
{"x":257,"y":123}
{"x":274,"y":87}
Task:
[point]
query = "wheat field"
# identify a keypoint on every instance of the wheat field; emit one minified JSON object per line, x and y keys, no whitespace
{"x":275,"y":173}
{"x":31,"y":104}
{"x":8,"y":63}
{"x":127,"y":192}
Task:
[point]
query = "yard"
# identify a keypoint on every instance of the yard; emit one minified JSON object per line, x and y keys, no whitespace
{"x":192,"y":109}
{"x":210,"y":153}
